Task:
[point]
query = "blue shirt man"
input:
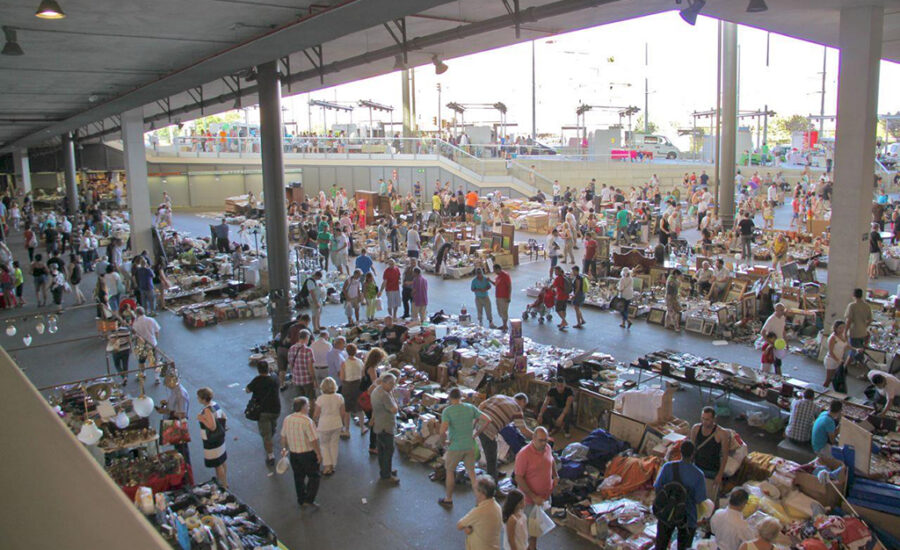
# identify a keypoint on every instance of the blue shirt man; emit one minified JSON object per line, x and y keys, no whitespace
{"x":364,"y":262}
{"x":691,"y":477}
{"x":481,"y":285}
{"x":824,"y":429}
{"x":336,"y":357}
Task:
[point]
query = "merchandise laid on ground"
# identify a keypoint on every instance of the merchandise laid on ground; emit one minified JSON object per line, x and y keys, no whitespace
{"x":272,"y":278}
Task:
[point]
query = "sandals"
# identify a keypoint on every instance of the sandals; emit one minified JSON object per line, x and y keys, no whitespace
{"x":445,"y":503}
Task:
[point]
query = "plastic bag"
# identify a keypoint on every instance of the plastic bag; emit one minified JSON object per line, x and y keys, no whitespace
{"x":282,"y":465}
{"x":539,"y":523}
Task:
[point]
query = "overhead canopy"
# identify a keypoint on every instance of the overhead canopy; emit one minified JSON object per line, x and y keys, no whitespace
{"x":181,"y":60}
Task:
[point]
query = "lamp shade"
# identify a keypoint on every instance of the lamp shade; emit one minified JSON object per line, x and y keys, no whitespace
{"x":26,"y":340}
{"x":90,"y":434}
{"x":10,"y":330}
{"x":49,"y":9}
{"x":690,"y":13}
{"x":143,"y":406}
{"x":757,"y":6}
{"x":121,"y":420}
{"x":39,"y":327}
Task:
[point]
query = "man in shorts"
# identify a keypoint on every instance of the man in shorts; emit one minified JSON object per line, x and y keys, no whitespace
{"x":462,"y":422}
{"x":390,"y":283}
{"x":561,"y":288}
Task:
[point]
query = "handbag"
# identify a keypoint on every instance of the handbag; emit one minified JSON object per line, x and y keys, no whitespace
{"x":253,"y":409}
{"x":174,"y":432}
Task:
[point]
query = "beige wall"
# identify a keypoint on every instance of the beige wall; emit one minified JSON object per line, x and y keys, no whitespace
{"x":628,"y":174}
{"x":57,"y":496}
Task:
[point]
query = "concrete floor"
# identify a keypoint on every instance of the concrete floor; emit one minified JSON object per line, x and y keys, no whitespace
{"x":217,"y":357}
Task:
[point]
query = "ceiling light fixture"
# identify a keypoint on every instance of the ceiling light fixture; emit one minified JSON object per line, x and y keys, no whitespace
{"x":11,"y":47}
{"x":439,"y":66}
{"x":690,"y":13}
{"x":49,"y":9}
{"x":757,"y":6}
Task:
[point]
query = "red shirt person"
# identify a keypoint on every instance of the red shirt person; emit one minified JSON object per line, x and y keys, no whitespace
{"x":503,"y":293}
{"x":561,"y":291}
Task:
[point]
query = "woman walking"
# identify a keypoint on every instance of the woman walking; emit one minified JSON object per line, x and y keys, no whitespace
{"x":625,"y":287}
{"x":75,"y":275}
{"x":41,"y":274}
{"x":366,"y":385}
{"x":31,"y":241}
{"x":837,"y":350}
{"x":351,"y":375}
{"x":212,"y":432}
{"x":370,"y":293}
{"x":330,"y":418}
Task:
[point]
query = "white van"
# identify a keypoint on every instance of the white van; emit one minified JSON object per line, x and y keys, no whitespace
{"x":660,"y":146}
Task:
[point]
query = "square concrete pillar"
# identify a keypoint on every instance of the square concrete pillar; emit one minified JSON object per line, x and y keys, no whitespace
{"x":854,"y":159}
{"x":140,"y":217}
{"x":22,"y":168}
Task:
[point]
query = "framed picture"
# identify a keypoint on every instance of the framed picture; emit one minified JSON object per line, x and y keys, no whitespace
{"x":709,"y":326}
{"x":657,"y":316}
{"x":602,"y":247}
{"x":626,"y":429}
{"x":657,"y":276}
{"x":652,"y":437}
{"x":637,"y":283}
{"x":592,"y":410}
{"x":724,"y":316}
{"x":694,"y":324}
{"x":748,"y":306}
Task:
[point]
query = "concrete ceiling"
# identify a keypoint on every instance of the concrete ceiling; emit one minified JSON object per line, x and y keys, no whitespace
{"x":109,"y":56}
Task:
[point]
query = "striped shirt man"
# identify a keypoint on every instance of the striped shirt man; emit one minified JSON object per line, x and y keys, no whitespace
{"x":502,"y":409}
{"x":299,"y":432}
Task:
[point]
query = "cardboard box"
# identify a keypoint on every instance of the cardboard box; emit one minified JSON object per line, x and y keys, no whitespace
{"x":826,"y":494}
{"x":578,"y":523}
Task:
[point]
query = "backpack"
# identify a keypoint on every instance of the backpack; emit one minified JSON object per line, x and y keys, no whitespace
{"x":304,"y":290}
{"x":671,"y":502}
{"x":567,"y":285}
{"x":585,"y":284}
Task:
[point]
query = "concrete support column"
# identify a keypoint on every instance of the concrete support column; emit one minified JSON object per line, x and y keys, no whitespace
{"x":407,"y":111}
{"x":22,"y":168}
{"x":854,"y":165}
{"x":273,"y":194}
{"x":71,"y":183}
{"x":138,"y":193}
{"x":728,"y":134}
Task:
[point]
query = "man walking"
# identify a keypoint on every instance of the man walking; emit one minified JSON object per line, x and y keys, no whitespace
{"x":536,"y":474}
{"x":408,"y":275}
{"x":390,"y":283}
{"x":320,"y":348}
{"x":502,"y":410}
{"x":419,"y":296}
{"x":298,"y":437}
{"x":384,"y":413}
{"x":265,"y":392}
{"x":503,"y":294}
{"x":302,"y":364}
{"x":692,"y":493}
{"x":480,"y":286}
{"x":461,"y":422}
{"x":858,"y":316}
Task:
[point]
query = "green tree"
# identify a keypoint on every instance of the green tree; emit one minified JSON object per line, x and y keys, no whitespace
{"x":782,"y":127}
{"x":652,"y":127}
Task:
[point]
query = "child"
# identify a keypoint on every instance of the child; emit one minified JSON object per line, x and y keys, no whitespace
{"x":370,"y":293}
{"x":769,"y":215}
{"x":18,"y":283}
{"x":515,"y":529}
{"x":795,"y":209}
{"x":768,"y":352}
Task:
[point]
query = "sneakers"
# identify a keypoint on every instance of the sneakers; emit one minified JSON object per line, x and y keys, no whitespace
{"x":270,"y":461}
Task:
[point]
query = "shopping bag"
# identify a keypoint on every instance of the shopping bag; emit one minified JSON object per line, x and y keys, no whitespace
{"x":282,"y":465}
{"x":539,"y":523}
{"x":379,"y":304}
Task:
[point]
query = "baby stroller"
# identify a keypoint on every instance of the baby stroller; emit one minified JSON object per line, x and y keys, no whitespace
{"x":542,"y":307}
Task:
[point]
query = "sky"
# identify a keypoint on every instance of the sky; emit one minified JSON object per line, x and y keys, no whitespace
{"x":605,"y":66}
